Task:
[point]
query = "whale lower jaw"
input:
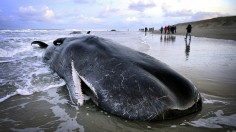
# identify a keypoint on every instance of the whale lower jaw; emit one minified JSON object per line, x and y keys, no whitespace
{"x":176,"y":113}
{"x":76,"y":89}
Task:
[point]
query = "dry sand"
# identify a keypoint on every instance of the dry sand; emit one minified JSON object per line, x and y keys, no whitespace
{"x":219,"y":28}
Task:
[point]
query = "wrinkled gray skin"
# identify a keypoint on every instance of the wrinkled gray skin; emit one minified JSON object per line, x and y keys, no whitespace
{"x":124,"y":82}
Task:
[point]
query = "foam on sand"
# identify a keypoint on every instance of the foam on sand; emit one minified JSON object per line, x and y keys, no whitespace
{"x":215,"y":122}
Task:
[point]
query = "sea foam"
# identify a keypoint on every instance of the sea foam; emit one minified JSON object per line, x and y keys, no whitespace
{"x":215,"y":122}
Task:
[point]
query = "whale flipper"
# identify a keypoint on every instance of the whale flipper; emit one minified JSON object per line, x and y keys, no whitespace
{"x":41,"y":44}
{"x":59,"y":41}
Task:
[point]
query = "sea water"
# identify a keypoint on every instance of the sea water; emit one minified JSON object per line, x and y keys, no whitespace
{"x":34,"y":98}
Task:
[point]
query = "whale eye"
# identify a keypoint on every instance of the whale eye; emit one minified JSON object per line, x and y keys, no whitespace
{"x":59,"y":41}
{"x":47,"y":55}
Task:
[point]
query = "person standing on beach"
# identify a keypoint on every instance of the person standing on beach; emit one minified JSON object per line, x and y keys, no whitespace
{"x":189,"y":30}
{"x":172,"y":29}
{"x":165,"y":29}
{"x":175,"y":29}
{"x":145,"y":30}
{"x":161,"y":30}
{"x":168,"y":29}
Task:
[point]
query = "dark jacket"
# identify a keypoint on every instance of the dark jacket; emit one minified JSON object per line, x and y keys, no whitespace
{"x":189,"y":28}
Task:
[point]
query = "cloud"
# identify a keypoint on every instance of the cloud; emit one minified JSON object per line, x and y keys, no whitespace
{"x":187,"y":14}
{"x":132,"y":19}
{"x":107,"y":11}
{"x":27,"y":10}
{"x":141,"y":5}
{"x":84,"y":1}
{"x":31,"y":13}
{"x":81,"y":19}
{"x":206,"y":15}
{"x":48,"y":14}
{"x":169,"y":12}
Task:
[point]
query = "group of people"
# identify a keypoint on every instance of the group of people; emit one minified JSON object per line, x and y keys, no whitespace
{"x":168,"y":29}
{"x":172,"y":29}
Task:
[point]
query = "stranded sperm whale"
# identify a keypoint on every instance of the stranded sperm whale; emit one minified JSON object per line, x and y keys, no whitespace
{"x":121,"y":81}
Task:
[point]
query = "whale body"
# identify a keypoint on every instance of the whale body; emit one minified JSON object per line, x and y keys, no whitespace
{"x":120,"y":80}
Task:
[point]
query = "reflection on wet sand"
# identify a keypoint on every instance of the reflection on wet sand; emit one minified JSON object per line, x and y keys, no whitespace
{"x":168,"y":38}
{"x":187,"y":48}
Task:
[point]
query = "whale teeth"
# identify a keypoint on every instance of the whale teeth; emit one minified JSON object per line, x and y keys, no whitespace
{"x":94,"y":95}
{"x":77,"y":90}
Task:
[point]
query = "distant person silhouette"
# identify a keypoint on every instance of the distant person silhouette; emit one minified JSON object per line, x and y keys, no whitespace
{"x":175,"y":28}
{"x":146,"y":29}
{"x":165,"y":29}
{"x":189,"y":30}
{"x":161,"y":30}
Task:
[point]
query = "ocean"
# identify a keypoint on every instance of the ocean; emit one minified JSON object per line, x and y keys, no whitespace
{"x":34,"y":98}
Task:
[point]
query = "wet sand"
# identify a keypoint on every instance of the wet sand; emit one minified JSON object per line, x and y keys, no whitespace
{"x":52,"y":111}
{"x":219,"y":28}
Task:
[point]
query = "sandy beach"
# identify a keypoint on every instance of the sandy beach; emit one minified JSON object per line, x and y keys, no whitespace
{"x":219,"y":28}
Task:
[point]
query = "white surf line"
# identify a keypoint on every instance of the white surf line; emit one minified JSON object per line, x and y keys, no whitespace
{"x":7,"y":96}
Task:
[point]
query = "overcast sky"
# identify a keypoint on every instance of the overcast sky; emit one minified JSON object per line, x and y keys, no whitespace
{"x":108,"y":14}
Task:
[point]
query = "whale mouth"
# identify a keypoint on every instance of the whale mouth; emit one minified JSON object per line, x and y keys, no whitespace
{"x":80,"y":87}
{"x":89,"y":92}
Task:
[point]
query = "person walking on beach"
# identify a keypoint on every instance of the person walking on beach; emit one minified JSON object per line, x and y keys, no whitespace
{"x":189,"y":29}
{"x":145,"y":30}
{"x":161,"y":30}
{"x":175,"y":29}
{"x":165,"y":29}
{"x":172,"y":29}
{"x":168,"y":29}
